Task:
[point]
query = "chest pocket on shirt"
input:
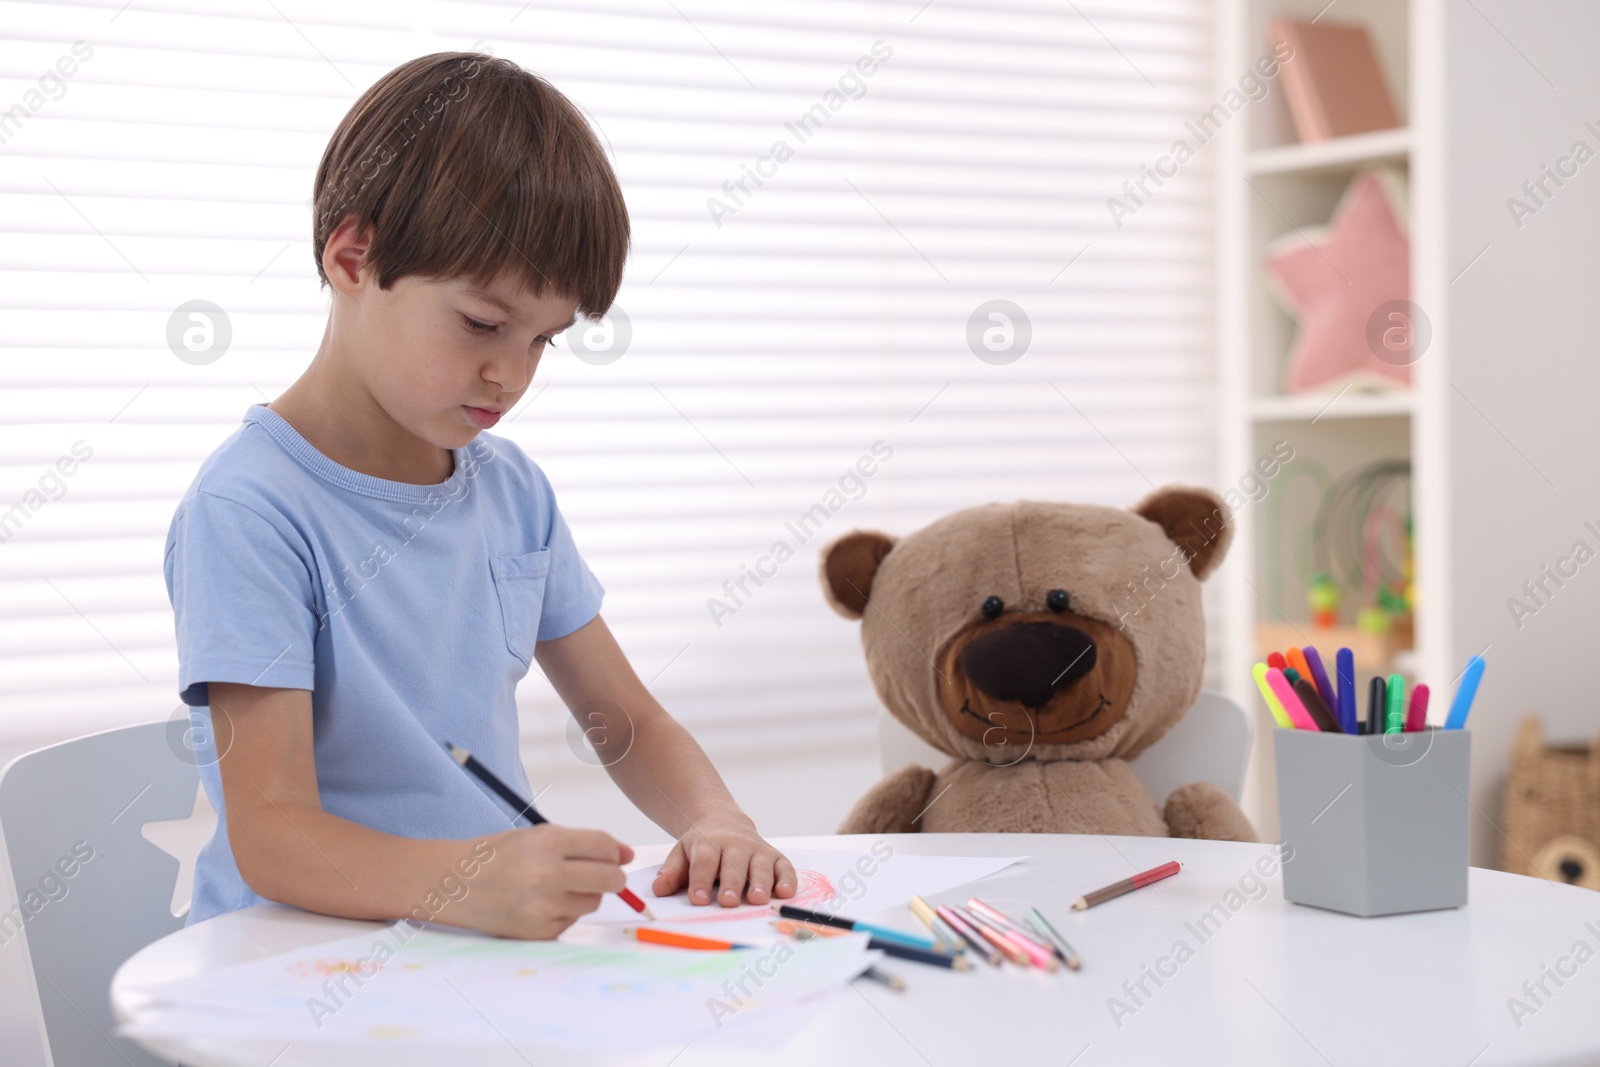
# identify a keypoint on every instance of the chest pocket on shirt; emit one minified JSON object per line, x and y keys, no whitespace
{"x":519,"y":583}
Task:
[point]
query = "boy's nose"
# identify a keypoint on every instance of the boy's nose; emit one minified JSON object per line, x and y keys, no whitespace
{"x":1028,"y":661}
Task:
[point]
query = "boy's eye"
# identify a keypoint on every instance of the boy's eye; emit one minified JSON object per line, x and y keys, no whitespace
{"x":478,"y":327}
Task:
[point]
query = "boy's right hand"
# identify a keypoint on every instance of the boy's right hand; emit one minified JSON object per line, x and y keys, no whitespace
{"x":540,"y":879}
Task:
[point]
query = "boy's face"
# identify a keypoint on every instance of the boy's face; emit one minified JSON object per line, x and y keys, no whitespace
{"x":442,"y":357}
{"x":446,"y":359}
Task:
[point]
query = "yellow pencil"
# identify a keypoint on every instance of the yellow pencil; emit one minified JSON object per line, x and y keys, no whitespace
{"x":1259,"y":673}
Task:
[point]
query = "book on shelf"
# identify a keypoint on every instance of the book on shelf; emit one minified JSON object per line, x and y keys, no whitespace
{"x":1333,"y":83}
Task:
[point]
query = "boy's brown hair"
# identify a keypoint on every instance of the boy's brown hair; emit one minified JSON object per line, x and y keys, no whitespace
{"x":466,"y":165}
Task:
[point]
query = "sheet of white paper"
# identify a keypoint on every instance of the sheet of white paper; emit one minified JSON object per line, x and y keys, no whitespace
{"x":435,"y":986}
{"x":852,"y":884}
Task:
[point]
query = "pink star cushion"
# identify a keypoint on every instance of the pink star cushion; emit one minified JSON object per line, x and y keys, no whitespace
{"x":1335,"y":284}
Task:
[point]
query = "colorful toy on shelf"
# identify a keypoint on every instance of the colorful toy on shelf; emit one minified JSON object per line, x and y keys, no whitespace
{"x":1357,"y":542}
{"x":1323,"y":599}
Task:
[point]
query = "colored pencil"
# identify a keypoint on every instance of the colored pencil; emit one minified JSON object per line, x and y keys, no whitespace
{"x":882,"y":933}
{"x":917,"y":955}
{"x":1006,"y":947}
{"x":970,"y":934}
{"x":1417,"y":715}
{"x":940,"y":929}
{"x":1375,"y":702}
{"x":657,"y":936}
{"x":796,"y":928}
{"x":894,"y":982}
{"x":1297,"y":660}
{"x":801,"y":930}
{"x":1394,"y":722}
{"x":1319,"y":675}
{"x":1298,"y":715}
{"x":1279,"y":716}
{"x":1345,"y":667}
{"x":1465,"y":692}
{"x":1039,"y":949}
{"x":526,"y":810}
{"x":1036,"y":954}
{"x":1309,"y":696}
{"x":1069,"y":955}
{"x":1127,"y":885}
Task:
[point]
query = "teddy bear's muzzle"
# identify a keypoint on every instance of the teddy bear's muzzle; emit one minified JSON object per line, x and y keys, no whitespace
{"x":1028,"y":662}
{"x":1040,"y":678}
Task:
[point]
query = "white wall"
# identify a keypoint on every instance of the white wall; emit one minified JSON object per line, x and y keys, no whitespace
{"x":1519,"y":373}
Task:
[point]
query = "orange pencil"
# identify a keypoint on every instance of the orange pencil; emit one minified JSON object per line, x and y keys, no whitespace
{"x":658,"y":936}
{"x":792,"y":928}
{"x":1297,"y":660}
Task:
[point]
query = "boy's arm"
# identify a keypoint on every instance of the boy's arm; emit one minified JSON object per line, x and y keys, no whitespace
{"x":529,"y":882}
{"x":664,"y":772}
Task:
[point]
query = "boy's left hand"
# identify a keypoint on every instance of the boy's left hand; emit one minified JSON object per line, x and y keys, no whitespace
{"x":728,"y":850}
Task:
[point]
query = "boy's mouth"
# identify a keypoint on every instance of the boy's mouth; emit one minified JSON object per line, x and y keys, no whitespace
{"x":483,"y":418}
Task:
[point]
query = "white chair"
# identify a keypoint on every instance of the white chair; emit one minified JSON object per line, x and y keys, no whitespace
{"x":90,"y":795}
{"x":1211,"y":743}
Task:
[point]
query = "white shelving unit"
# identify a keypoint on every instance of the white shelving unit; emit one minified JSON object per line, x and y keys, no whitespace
{"x":1273,"y":185}
{"x":1498,"y":423}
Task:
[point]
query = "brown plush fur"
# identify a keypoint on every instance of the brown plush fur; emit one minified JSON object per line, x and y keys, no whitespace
{"x":1042,"y":703}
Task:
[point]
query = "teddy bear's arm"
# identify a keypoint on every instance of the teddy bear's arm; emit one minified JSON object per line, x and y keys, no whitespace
{"x":891,"y":806}
{"x":1201,"y":810}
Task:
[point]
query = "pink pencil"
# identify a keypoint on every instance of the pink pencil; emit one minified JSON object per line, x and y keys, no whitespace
{"x":1417,"y":716}
{"x":1290,"y":700}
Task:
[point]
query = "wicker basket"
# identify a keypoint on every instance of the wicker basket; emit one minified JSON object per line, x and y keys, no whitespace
{"x":1551,"y":820}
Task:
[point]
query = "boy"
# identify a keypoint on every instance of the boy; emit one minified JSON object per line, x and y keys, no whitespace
{"x":354,"y":586}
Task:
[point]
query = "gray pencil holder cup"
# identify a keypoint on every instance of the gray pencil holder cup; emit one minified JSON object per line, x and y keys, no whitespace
{"x":1377,"y":823}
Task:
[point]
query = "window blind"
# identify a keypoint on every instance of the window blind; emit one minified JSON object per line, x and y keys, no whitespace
{"x":924,"y":279}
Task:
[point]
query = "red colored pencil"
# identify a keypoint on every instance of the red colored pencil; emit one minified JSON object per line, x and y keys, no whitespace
{"x":1127,"y":885}
{"x":1417,"y":716}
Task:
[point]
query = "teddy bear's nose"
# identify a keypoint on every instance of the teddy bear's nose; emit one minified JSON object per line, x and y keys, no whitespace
{"x":1028,"y":661}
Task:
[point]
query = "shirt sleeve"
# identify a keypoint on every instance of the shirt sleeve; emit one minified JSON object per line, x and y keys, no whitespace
{"x":572,"y":593}
{"x":243,"y":599}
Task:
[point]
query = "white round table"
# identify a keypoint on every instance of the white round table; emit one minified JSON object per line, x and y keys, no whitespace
{"x":1265,"y":981}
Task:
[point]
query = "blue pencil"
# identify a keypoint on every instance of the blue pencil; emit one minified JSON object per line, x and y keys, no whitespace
{"x":1465,"y":692}
{"x":1345,"y":666}
{"x":879,"y":933}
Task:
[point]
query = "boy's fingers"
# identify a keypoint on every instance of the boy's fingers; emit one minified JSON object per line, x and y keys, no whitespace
{"x":591,"y":845}
{"x":760,"y":877}
{"x":788,"y":881}
{"x":574,"y":904}
{"x":735,"y":865}
{"x":670,"y":877}
{"x":702,"y":872}
{"x":588,"y":876}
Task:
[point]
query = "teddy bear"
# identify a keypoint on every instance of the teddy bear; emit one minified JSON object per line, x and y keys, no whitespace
{"x":1042,"y":646}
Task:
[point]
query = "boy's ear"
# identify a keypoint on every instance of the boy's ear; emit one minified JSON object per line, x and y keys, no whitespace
{"x":848,"y":565}
{"x":345,"y":252}
{"x":1194,"y":519}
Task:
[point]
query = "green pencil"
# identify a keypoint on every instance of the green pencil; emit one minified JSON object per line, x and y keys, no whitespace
{"x":1395,"y":721}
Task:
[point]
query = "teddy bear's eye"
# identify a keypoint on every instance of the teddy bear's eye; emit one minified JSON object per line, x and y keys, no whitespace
{"x":992,"y":606}
{"x":1057,"y":599}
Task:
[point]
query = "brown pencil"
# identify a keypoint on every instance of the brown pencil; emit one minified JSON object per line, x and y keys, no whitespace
{"x":1127,"y":885}
{"x":1326,"y":721}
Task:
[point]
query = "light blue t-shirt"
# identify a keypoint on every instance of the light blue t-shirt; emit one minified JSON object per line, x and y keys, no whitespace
{"x":409,"y":611}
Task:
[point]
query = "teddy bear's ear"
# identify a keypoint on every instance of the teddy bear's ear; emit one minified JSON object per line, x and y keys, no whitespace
{"x":1528,"y":744}
{"x":849,"y":564}
{"x":1195,"y":519}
